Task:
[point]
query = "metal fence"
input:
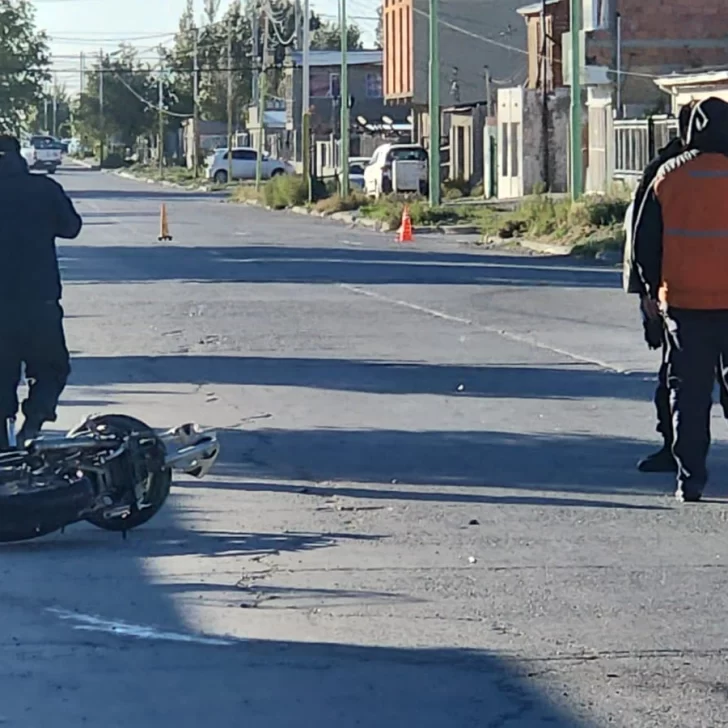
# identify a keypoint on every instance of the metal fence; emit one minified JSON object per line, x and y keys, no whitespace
{"x":636,"y":142}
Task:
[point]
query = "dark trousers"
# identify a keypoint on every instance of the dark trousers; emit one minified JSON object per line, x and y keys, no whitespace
{"x":696,"y":340}
{"x":662,"y":396}
{"x":32,"y":334}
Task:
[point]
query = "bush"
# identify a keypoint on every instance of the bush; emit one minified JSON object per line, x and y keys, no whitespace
{"x":455,"y":188}
{"x":114,"y":160}
{"x":599,"y":211}
{"x":285,"y":190}
{"x":452,"y":194}
{"x":246,"y":193}
{"x":336,"y":203}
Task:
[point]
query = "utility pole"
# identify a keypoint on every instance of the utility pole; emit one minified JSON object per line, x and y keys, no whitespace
{"x":55,"y":109}
{"x":45,"y":109}
{"x":255,"y":34}
{"x":545,"y":167}
{"x":618,"y":80}
{"x":306,"y":98}
{"x":102,"y":124}
{"x":344,"y":95}
{"x":160,"y":145}
{"x":261,"y":106}
{"x":576,"y":159}
{"x":434,"y":104}
{"x":195,"y":101}
{"x":230,"y":102}
{"x":488,"y":101}
{"x":82,"y":67}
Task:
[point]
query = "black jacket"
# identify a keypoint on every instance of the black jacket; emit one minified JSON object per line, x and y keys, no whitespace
{"x":669,"y":151}
{"x":34,"y":211}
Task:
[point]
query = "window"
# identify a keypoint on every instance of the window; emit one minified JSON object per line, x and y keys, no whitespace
{"x":374,"y":85}
{"x":334,"y":85}
{"x":408,"y":154}
{"x":245,"y":154}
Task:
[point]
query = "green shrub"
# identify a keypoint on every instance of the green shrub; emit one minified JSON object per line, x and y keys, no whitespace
{"x":458,"y":187}
{"x":114,"y":160}
{"x":285,"y":190}
{"x":453,"y":193}
{"x":599,"y":211}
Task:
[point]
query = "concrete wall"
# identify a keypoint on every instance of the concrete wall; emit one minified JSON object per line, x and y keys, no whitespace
{"x":558,"y":140}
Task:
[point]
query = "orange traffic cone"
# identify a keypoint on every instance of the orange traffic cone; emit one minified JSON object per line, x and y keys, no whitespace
{"x":164,"y":225}
{"x":404,"y":234}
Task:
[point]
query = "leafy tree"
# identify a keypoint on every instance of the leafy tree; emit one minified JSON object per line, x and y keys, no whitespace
{"x":24,"y":59}
{"x":41,"y":117}
{"x":130,"y":100}
{"x":327,"y":37}
{"x":213,"y":62}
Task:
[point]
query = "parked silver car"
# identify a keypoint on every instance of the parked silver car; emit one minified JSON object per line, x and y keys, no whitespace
{"x":244,"y":164}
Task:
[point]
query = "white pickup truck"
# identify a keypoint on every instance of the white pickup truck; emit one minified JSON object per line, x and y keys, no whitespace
{"x":43,"y":152}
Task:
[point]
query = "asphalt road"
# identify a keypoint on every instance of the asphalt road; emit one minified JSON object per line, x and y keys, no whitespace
{"x":426,"y":512}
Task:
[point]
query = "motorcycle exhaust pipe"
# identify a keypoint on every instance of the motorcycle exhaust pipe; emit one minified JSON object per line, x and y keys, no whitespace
{"x":195,"y":460}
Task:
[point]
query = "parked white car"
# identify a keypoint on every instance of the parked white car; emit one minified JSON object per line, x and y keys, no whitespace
{"x":244,"y":163}
{"x":413,"y":170}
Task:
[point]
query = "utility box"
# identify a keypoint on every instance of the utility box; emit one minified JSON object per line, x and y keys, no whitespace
{"x":406,"y":175}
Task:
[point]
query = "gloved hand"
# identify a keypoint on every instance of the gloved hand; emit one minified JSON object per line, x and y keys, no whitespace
{"x":654,"y":332}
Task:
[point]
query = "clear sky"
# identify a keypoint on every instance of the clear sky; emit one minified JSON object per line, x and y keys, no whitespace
{"x":86,"y":26}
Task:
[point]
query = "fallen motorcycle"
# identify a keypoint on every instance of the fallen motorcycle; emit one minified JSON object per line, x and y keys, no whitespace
{"x":113,"y":471}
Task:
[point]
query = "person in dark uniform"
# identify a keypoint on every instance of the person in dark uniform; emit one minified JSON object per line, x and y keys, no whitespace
{"x":34,"y":211}
{"x":681,"y":255}
{"x":662,"y":460}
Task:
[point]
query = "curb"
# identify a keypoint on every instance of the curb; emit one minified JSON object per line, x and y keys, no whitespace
{"x":160,"y":182}
{"x":354,"y":218}
{"x":609,"y":257}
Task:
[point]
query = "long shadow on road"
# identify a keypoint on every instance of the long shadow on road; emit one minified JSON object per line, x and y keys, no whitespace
{"x":280,"y":264}
{"x":371,"y":377}
{"x":443,"y":466}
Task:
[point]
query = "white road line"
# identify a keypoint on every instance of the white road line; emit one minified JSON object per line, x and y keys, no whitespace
{"x":89,"y":623}
{"x":482,"y":327}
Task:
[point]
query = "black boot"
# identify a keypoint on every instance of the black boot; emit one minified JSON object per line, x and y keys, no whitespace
{"x":661,"y":461}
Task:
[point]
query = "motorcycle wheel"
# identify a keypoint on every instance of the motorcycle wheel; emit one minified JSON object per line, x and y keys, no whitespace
{"x":159,"y":486}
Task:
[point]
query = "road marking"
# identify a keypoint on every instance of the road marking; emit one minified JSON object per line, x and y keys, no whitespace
{"x":89,"y":623}
{"x":482,"y":327}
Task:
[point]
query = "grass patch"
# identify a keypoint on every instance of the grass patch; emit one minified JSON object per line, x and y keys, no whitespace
{"x":336,"y":203}
{"x":246,"y":193}
{"x":591,"y":224}
{"x":389,"y":211}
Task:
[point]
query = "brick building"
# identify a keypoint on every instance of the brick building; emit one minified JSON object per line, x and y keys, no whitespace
{"x":656,"y":39}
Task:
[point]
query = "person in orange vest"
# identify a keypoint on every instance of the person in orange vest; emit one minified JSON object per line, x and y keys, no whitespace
{"x":660,"y":461}
{"x":681,"y":256}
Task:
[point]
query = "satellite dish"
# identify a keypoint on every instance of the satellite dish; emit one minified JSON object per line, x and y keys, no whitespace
{"x":388,"y":120}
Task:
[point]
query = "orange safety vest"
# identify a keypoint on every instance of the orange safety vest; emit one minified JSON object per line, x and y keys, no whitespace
{"x":693,"y":195}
